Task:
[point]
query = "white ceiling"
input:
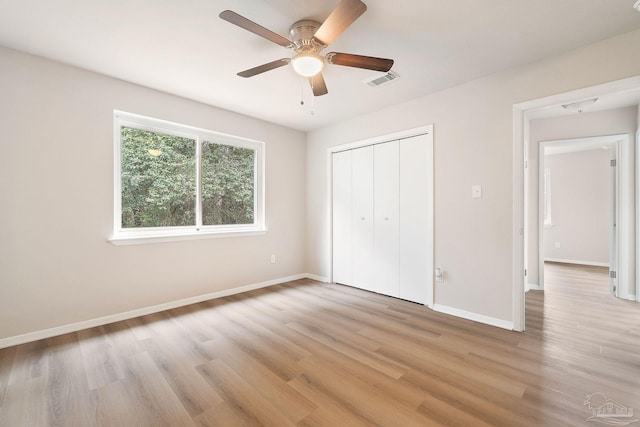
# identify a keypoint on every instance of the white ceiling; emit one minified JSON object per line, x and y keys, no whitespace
{"x":182,"y":47}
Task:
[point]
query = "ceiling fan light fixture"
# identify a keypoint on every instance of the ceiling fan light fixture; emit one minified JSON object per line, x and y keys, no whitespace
{"x":307,"y":64}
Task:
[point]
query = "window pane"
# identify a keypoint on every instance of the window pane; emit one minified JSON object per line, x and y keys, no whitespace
{"x":158,"y":175}
{"x":227,"y":184}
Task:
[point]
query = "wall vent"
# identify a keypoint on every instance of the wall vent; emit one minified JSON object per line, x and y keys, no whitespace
{"x":379,"y":80}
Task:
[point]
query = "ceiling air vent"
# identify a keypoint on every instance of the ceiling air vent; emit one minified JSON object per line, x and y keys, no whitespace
{"x":379,"y":80}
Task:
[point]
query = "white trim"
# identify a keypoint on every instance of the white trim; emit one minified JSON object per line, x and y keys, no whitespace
{"x":541,"y":218}
{"x":584,"y":93}
{"x":421,"y":130}
{"x":622,"y":294}
{"x":136,"y":239}
{"x":546,"y":196}
{"x":520,"y":130}
{"x":504,"y":324}
{"x":637,"y":184}
{"x":532,"y":287}
{"x":318,"y":278}
{"x":578,"y":144}
{"x":78,"y":326}
{"x":579,"y":262}
{"x":329,"y":213}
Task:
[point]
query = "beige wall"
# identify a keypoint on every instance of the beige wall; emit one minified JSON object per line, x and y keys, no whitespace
{"x":473,"y":145}
{"x":56,"y":184}
{"x":610,"y":122}
{"x":56,"y":193}
{"x":580,"y":193}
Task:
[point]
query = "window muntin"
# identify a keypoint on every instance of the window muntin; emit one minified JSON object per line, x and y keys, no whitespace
{"x":175,"y":180}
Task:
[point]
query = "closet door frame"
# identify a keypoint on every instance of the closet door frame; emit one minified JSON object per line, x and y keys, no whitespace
{"x":422,"y":130}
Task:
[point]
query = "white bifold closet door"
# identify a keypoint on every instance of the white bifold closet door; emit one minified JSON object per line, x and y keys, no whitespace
{"x":386,"y":209}
{"x":362,"y":233}
{"x":342,"y":271}
{"x":383,"y":218}
{"x":416,"y":219}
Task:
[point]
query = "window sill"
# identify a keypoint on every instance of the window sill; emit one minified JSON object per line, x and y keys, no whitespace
{"x":124,"y":239}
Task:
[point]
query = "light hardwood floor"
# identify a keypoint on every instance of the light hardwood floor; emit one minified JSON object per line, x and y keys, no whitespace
{"x":312,"y":354}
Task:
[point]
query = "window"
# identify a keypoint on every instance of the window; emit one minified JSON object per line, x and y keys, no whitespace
{"x":174,"y":182}
{"x":547,"y":197}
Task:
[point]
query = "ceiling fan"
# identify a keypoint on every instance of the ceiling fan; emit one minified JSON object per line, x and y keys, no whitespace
{"x":308,"y":39}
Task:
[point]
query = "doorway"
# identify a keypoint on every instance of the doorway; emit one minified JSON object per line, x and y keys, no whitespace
{"x":626,"y":90}
{"x":579,"y":199}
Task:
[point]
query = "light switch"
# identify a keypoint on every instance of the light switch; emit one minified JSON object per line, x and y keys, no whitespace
{"x":476,"y":191}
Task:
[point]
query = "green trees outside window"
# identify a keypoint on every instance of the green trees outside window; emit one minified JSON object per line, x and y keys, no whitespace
{"x":227,"y":184}
{"x":159,"y":181}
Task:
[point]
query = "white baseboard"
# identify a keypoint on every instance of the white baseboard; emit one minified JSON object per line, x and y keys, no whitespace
{"x":318,"y":278}
{"x":626,"y":295}
{"x":504,"y":324}
{"x":532,"y":287}
{"x":78,"y":326}
{"x":580,"y":262}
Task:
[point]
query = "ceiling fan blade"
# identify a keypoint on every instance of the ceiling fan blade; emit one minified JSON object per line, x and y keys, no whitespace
{"x":342,"y":16}
{"x":264,"y":67}
{"x":242,"y":22}
{"x":360,"y":61}
{"x":318,"y":85}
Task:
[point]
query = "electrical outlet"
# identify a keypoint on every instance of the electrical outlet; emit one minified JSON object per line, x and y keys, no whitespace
{"x":439,"y":275}
{"x":557,"y":245}
{"x":273,"y":259}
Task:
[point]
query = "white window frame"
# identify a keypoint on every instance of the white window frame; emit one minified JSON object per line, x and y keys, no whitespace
{"x":128,"y":236}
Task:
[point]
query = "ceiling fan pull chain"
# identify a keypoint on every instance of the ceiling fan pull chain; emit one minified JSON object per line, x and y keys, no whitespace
{"x":313,"y":103}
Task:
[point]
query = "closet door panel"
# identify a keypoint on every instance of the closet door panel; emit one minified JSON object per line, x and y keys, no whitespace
{"x":341,"y":183}
{"x":386,"y":218}
{"x":362,"y":217}
{"x":416,"y":219}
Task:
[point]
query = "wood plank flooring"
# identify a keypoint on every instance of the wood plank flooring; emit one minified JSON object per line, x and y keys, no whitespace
{"x":311,"y":354}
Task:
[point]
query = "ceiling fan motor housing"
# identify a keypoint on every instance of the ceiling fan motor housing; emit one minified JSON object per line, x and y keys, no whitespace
{"x":302,"y":36}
